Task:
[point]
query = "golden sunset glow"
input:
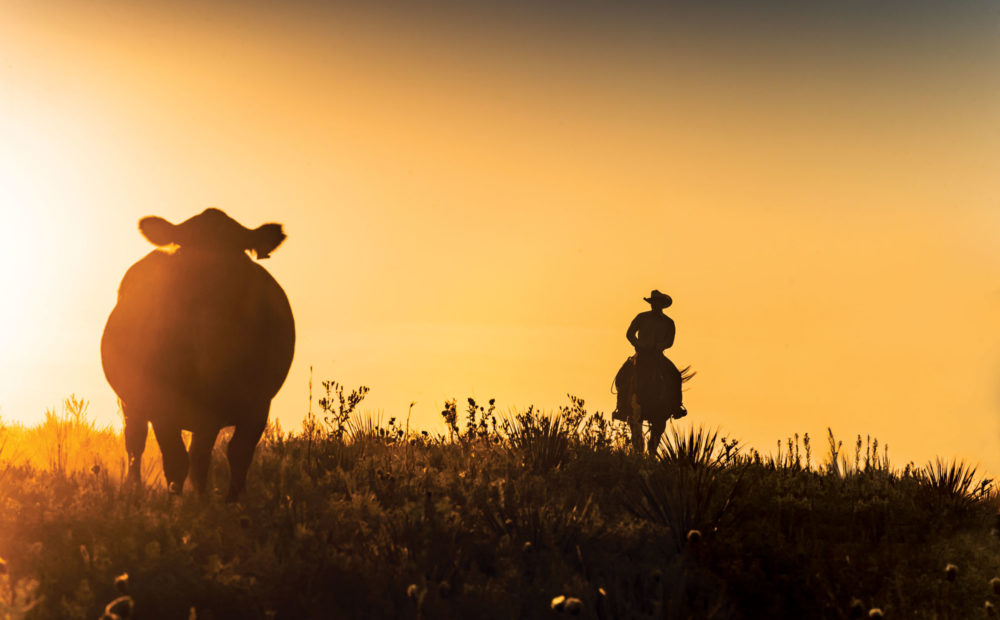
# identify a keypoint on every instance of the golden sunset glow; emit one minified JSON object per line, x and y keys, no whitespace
{"x":476,"y":206}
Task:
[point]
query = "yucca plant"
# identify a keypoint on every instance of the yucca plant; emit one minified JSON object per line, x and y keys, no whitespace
{"x":368,"y":428}
{"x":696,"y":448}
{"x":556,"y":526}
{"x":955,"y":482}
{"x":540,"y":442}
{"x":687,"y":489}
{"x":685,"y":498}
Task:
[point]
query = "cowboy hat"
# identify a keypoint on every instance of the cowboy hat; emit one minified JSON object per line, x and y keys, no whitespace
{"x":658,"y":298}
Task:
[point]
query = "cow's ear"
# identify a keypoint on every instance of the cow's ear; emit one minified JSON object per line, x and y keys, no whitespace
{"x":264,"y":239}
{"x":157,"y":230}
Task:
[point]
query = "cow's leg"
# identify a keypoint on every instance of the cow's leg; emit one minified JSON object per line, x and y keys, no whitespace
{"x":175,"y":457}
{"x":656,"y":428}
{"x":240,"y":452}
{"x":136,"y":429}
{"x":200,"y":455}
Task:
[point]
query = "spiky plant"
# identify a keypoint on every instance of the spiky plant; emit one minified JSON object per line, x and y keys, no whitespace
{"x":540,"y":442}
{"x":696,"y":448}
{"x":955,"y":482}
{"x":687,"y":488}
{"x":366,"y":428}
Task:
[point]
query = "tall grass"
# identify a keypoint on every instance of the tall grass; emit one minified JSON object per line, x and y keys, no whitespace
{"x":67,"y":441}
{"x":497,"y":518}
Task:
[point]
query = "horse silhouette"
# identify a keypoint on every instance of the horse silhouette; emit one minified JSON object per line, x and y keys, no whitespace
{"x":650,"y":391}
{"x":201,"y":338}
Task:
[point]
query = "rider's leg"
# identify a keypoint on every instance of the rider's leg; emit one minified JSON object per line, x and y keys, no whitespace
{"x":623,"y":385}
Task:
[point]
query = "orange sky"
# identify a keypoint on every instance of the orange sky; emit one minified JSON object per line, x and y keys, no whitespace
{"x":478,"y":198}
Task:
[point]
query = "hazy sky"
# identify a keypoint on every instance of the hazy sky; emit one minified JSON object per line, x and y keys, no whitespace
{"x":478,"y":196}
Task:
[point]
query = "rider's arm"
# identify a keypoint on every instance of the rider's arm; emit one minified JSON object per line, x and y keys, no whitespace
{"x":671,"y":332}
{"x":633,"y":331}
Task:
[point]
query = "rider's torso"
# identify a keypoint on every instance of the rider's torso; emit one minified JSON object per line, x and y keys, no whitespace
{"x":655,"y":331}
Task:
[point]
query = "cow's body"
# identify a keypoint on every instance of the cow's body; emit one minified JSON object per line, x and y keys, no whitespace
{"x":201,"y":338}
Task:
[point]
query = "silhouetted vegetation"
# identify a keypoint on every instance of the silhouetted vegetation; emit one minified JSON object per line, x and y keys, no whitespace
{"x":501,"y":516}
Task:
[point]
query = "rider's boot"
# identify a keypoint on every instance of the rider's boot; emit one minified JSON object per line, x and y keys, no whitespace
{"x":623,"y":410}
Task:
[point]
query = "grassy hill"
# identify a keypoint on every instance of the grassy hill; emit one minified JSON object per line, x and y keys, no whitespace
{"x":353,"y":518}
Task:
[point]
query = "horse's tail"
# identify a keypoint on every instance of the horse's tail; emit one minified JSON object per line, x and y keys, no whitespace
{"x":687,"y":374}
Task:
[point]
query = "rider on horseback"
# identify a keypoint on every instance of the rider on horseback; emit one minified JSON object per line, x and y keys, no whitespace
{"x":650,"y":333}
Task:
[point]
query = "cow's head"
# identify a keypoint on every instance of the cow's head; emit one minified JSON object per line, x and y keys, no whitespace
{"x":214,"y":231}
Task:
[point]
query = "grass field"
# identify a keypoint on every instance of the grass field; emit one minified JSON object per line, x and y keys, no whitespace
{"x":520,"y":516}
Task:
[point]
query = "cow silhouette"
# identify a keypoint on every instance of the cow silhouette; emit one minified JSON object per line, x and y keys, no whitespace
{"x":201,"y":338}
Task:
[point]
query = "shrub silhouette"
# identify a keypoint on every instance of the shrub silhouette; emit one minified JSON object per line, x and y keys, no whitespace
{"x":483,"y":526}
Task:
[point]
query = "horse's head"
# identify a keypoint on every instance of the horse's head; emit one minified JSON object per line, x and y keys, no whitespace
{"x":214,"y":231}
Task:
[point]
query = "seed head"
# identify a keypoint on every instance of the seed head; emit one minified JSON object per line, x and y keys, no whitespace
{"x":991,"y":611}
{"x":995,"y":584}
{"x":527,"y":547}
{"x":3,"y":566}
{"x":121,"y":583}
{"x":950,"y":572}
{"x":96,"y":469}
{"x":412,"y":591}
{"x":857,"y":609}
{"x":558,"y":603}
{"x":875,"y":612}
{"x":694,"y":537}
{"x":574,"y":606}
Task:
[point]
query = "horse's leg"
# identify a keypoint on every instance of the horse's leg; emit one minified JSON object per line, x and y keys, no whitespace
{"x":200,"y":455}
{"x":240,"y":451}
{"x":175,"y":457}
{"x":635,"y":422}
{"x":656,"y":428}
{"x":136,"y":429}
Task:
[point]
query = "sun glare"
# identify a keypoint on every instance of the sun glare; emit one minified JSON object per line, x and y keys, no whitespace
{"x":17,"y":274}
{"x":28,"y":261}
